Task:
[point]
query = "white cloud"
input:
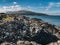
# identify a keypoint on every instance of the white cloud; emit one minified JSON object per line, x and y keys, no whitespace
{"x":49,"y":6}
{"x":29,"y":8}
{"x":14,"y":2}
{"x":52,"y":4}
{"x":11,"y":8}
{"x":15,"y":8}
{"x":49,"y":9}
{"x":44,"y":9}
{"x":58,"y":4}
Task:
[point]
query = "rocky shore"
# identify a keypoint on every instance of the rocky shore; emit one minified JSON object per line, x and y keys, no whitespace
{"x":21,"y":30}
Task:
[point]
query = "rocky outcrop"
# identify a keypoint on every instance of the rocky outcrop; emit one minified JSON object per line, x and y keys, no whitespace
{"x":26,"y":29}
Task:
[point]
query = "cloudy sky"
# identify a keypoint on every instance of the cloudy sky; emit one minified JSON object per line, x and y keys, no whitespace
{"x":43,"y":6}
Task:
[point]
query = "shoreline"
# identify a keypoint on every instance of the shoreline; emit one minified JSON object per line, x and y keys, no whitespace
{"x":24,"y":28}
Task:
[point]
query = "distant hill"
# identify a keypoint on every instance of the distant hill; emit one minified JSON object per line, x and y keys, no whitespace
{"x":24,"y":12}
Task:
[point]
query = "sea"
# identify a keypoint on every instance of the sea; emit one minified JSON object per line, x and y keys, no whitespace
{"x":55,"y":20}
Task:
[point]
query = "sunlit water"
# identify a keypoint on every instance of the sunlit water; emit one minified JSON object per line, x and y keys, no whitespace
{"x":50,"y":19}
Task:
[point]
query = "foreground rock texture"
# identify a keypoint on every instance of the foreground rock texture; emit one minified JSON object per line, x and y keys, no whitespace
{"x":19,"y":28}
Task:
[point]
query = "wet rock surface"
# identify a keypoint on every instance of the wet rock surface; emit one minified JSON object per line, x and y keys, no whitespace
{"x":25,"y":29}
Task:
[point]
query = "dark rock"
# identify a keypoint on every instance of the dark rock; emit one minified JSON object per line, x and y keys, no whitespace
{"x":40,"y":32}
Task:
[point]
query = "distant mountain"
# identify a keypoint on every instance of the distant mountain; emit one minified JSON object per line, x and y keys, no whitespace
{"x":24,"y":12}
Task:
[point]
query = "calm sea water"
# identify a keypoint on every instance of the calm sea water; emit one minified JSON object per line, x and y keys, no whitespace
{"x":50,"y":19}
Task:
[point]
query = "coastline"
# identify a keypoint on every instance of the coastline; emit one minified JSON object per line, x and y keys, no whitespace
{"x":29,"y":29}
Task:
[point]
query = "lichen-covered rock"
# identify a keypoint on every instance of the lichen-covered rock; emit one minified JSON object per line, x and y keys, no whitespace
{"x":7,"y":43}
